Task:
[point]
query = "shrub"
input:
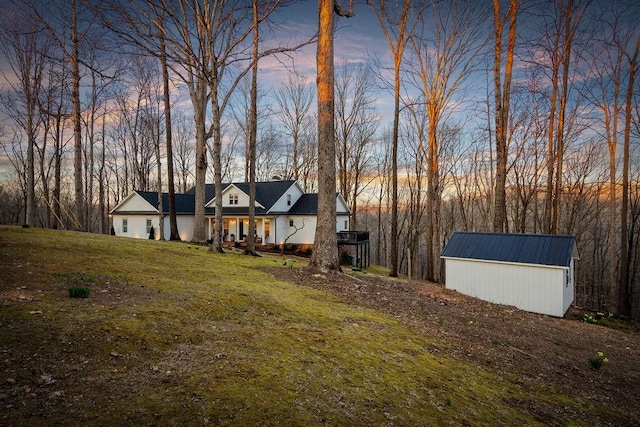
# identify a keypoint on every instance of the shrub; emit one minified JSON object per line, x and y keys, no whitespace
{"x":598,"y":361}
{"x":152,"y":233}
{"x":79,"y":292}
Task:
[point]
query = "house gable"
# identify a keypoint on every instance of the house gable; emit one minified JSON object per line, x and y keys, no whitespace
{"x":137,"y":202}
{"x":341,"y":205}
{"x":287,"y":197}
{"x":233,"y":197}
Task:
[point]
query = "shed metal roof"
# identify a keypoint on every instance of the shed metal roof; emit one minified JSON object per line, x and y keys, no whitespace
{"x":541,"y":249}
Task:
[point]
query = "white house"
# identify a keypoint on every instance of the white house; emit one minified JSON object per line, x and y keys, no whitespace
{"x":283,"y":212}
{"x":533,"y":272}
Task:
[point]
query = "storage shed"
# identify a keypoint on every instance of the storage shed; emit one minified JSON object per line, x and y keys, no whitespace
{"x":533,"y":272}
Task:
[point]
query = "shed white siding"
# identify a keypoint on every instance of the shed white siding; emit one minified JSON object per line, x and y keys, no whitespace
{"x":536,"y":288}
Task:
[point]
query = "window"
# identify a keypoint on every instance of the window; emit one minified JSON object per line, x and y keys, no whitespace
{"x":225,"y":229}
{"x":149,"y":225}
{"x":346,"y":224}
{"x":288,"y":199}
{"x":233,"y":199}
{"x":290,"y":223}
{"x":267,"y":227}
{"x":125,"y":225}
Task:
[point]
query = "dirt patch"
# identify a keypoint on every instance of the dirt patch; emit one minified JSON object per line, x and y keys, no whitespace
{"x":535,"y":350}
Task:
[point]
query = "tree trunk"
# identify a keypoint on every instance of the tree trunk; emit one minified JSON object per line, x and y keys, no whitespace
{"x":325,"y":252}
{"x":173,"y":221}
{"x":104,"y":222}
{"x":197,"y":92}
{"x":502,"y":101}
{"x":253,"y":132}
{"x":77,"y":137}
{"x":625,"y":291}
{"x":217,"y":166}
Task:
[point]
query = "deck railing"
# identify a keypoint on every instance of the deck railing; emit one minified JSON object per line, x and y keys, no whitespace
{"x":352,"y":236}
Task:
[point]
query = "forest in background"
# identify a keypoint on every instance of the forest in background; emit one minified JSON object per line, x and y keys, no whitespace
{"x":521,"y":117}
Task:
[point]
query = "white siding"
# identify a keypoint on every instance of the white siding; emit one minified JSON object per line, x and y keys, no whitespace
{"x":281,"y":205}
{"x":136,"y":225}
{"x":305,"y":235}
{"x":306,"y":229}
{"x":539,"y":289}
{"x":342,"y":223}
{"x":568,"y":294}
{"x":185,"y":227}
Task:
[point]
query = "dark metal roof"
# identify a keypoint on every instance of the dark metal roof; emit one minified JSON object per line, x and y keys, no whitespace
{"x":267,"y":193}
{"x":542,"y":249}
{"x":209,"y":191}
{"x":307,"y":204}
{"x":185,"y":203}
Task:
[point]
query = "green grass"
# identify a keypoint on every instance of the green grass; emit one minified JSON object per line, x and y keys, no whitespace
{"x":175,"y":334}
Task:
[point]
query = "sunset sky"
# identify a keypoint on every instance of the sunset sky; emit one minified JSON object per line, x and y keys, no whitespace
{"x":356,"y":39}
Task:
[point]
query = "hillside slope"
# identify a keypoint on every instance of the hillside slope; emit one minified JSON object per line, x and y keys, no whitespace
{"x":172,"y":333}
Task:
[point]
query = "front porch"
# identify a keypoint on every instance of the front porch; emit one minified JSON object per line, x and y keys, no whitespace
{"x":235,"y":229}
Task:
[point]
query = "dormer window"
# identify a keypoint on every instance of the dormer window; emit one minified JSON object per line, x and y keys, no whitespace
{"x":288,"y":199}
{"x":233,"y":199}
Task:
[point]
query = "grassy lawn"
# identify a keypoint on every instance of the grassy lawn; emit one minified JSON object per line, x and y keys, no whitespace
{"x":175,"y":334}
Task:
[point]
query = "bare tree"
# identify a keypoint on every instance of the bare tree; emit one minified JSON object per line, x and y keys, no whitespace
{"x":502,"y":94}
{"x":25,"y":50}
{"x":184,"y":152}
{"x":397,"y":24}
{"x":625,"y":294}
{"x":356,"y":125}
{"x":294,"y":100}
{"x":445,"y":51}
{"x":607,"y":96}
{"x":553,"y":53}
